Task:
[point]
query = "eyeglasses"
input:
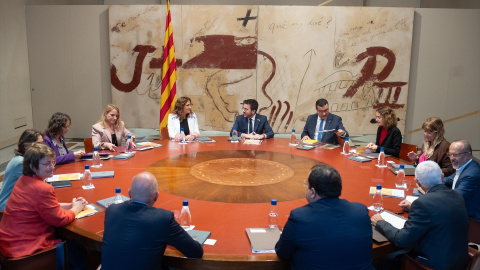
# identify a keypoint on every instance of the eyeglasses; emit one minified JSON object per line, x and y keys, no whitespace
{"x":47,"y":164}
{"x":455,"y":154}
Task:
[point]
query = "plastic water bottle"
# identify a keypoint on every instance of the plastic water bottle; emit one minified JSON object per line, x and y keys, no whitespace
{"x":346,"y":146}
{"x":293,"y":138}
{"x":118,"y":196}
{"x":378,"y":199}
{"x":185,"y":216}
{"x":381,"y":158}
{"x":87,"y":177}
{"x":234,"y":134}
{"x":400,"y":177}
{"x":97,"y":163}
{"x":273,"y":215}
{"x":129,"y":148}
{"x":182,"y":135}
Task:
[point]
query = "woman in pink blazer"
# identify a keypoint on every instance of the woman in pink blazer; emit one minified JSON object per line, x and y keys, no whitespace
{"x":110,"y":130}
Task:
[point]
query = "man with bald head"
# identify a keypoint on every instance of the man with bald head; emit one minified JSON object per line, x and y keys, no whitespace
{"x":136,"y":233}
{"x":466,"y":179}
{"x":436,"y":232}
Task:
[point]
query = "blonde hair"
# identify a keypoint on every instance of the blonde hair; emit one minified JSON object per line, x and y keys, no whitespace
{"x":103,"y":121}
{"x":178,"y":109}
{"x":389,"y":117}
{"x":432,"y":124}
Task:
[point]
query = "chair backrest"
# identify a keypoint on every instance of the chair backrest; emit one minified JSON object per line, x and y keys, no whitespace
{"x":163,"y":133}
{"x":88,"y":145}
{"x":44,"y":259}
{"x":405,"y":149}
{"x":474,"y":231}
{"x":410,"y":263}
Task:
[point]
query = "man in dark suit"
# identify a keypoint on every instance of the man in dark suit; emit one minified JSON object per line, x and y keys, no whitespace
{"x":327,"y":233}
{"x":437,"y":227}
{"x":323,"y":120}
{"x":136,"y":233}
{"x":466,"y":179}
{"x":251,"y":125}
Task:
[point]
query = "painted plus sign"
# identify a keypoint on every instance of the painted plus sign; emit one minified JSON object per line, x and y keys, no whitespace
{"x":247,"y":18}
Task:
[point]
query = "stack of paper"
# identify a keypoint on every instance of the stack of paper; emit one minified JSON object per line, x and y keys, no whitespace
{"x":64,"y":177}
{"x":310,"y":142}
{"x":90,"y":209}
{"x":263,"y":240}
{"x":253,"y":142}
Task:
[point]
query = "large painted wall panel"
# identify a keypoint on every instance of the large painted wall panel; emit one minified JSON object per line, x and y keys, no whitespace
{"x":285,"y":57}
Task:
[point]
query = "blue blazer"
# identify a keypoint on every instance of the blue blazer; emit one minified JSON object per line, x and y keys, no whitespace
{"x":315,"y":236}
{"x":333,"y":122}
{"x":436,"y":229}
{"x":468,"y":184}
{"x":136,"y":236}
{"x":261,"y":125}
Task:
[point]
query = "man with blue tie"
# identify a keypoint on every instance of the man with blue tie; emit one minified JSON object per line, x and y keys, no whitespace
{"x":251,"y":125}
{"x":323,"y":126}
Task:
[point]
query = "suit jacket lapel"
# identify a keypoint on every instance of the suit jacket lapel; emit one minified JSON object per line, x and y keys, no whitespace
{"x":108,"y":134}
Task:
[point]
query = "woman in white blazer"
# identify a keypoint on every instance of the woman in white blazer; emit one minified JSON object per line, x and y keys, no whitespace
{"x":110,"y":130}
{"x":183,"y":117}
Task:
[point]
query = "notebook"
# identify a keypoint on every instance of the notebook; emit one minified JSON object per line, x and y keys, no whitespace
{"x":406,"y":166}
{"x":263,"y":240}
{"x":408,"y":172}
{"x":199,"y":236}
{"x":359,"y":158}
{"x":123,"y":156}
{"x":372,"y":155}
{"x":306,"y":147}
{"x":59,"y":184}
{"x":105,"y":174}
{"x":377,"y":236}
{"x":90,"y":209}
{"x":108,"y":201}
{"x":205,"y":139}
{"x":389,"y":192}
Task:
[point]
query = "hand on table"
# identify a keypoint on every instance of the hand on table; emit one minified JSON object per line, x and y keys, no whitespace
{"x":412,"y":155}
{"x":405,"y":205}
{"x":79,"y":154}
{"x":78,"y":204}
{"x":305,"y":138}
{"x":109,"y":146}
{"x":189,"y":138}
{"x":372,"y":147}
{"x":376,"y":218}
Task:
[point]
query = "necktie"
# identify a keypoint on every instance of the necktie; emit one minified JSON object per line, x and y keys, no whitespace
{"x":250,"y":129}
{"x":457,"y":174}
{"x":319,"y":137}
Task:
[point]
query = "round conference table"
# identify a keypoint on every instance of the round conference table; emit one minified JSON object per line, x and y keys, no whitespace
{"x":229,"y":187}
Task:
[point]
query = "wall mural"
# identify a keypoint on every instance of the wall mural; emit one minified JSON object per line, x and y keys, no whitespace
{"x":357,"y":58}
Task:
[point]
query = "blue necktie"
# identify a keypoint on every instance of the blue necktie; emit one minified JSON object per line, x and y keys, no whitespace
{"x":319,"y":137}
{"x":250,"y":126}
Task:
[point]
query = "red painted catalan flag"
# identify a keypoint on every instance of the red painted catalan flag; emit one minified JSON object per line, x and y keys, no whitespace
{"x":169,"y":73}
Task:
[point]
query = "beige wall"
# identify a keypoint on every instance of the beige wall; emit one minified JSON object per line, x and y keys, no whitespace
{"x":15,"y":105}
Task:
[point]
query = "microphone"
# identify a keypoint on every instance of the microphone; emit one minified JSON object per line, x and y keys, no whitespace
{"x":373,"y":121}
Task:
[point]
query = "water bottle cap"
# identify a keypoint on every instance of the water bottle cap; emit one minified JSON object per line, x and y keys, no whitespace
{"x":402,"y":166}
{"x":381,"y":148}
{"x":379,"y":186}
{"x":235,"y":127}
{"x":293,"y":130}
{"x":273,"y":202}
{"x":87,"y":167}
{"x":129,"y":136}
{"x":181,"y":129}
{"x":118,"y":190}
{"x":346,"y":138}
{"x":95,"y":149}
{"x":185,"y":202}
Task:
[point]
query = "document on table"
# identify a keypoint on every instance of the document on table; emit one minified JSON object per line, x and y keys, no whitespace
{"x":396,"y":220}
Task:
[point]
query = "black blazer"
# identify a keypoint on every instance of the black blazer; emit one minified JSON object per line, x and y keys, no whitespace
{"x":136,"y":236}
{"x":436,"y":229}
{"x":391,"y":143}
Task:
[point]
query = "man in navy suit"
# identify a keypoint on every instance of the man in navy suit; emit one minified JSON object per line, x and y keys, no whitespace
{"x":328,"y":232}
{"x":323,"y":120}
{"x":437,"y":227}
{"x":466,"y":179}
{"x":251,"y":125}
{"x":136,"y":233}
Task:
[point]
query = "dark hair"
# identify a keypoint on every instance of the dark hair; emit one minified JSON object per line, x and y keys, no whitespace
{"x":28,"y":137}
{"x":326,"y":181}
{"x":56,"y":123}
{"x":389,"y":117}
{"x":179,"y":105}
{"x":253,"y":104}
{"x":321,"y":102}
{"x":33,"y":155}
